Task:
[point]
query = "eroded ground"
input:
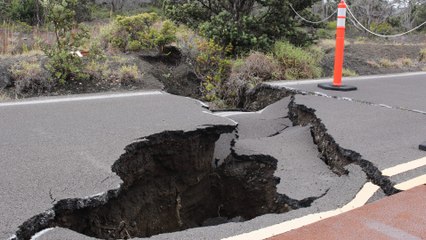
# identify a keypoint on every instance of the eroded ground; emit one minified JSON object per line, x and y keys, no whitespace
{"x":240,"y":172}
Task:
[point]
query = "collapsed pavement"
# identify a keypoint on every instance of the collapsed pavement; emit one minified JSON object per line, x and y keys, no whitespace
{"x":173,"y":181}
{"x":279,"y":163}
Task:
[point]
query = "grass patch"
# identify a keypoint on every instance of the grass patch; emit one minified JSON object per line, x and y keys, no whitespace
{"x":405,"y":62}
{"x":422,"y":55}
{"x":246,"y":73}
{"x":349,"y":73}
{"x":373,"y":63}
{"x":3,"y":96}
{"x":30,"y":78}
{"x":297,"y":63}
{"x":129,"y":74}
{"x":330,"y":43}
{"x":384,"y":62}
{"x":98,"y":70}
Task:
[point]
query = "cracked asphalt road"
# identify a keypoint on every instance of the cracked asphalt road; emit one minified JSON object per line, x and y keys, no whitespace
{"x":51,"y":151}
{"x":62,"y":149}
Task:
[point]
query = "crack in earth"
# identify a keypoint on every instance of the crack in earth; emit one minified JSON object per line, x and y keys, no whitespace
{"x":172,"y":182}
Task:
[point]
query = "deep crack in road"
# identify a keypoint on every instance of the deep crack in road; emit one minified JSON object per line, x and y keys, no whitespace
{"x":171,"y":181}
{"x":228,"y":178}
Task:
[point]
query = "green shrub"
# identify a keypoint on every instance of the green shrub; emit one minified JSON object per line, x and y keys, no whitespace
{"x":99,"y":12}
{"x":134,"y":46}
{"x":332,"y":25}
{"x":114,"y":36}
{"x":212,"y":67}
{"x":4,"y":11}
{"x":297,"y":62}
{"x":28,"y":11}
{"x":63,"y":64}
{"x":325,"y":34}
{"x":82,"y":10}
{"x":316,"y":52}
{"x":142,"y":31}
{"x":381,"y":28}
{"x":30,"y":78}
{"x":167,"y":35}
{"x":246,"y":74}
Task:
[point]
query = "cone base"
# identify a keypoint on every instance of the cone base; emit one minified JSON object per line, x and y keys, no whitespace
{"x":343,"y":88}
{"x":423,"y":146}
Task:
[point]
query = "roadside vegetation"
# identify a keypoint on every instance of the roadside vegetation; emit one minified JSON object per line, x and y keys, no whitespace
{"x":221,"y":50}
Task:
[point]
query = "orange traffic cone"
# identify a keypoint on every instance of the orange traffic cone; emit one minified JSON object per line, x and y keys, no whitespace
{"x":339,"y":56}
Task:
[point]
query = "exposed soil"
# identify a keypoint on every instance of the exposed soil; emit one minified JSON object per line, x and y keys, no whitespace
{"x":171,"y":184}
{"x":172,"y":70}
{"x":166,"y":71}
{"x":364,"y":58}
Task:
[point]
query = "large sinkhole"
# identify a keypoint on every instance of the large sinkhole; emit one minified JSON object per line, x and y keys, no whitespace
{"x":171,"y":183}
{"x":174,"y":181}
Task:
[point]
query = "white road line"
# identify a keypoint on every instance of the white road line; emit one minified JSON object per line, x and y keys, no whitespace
{"x":228,"y":114}
{"x":405,"y":167}
{"x":81,"y":98}
{"x":304,"y":82}
{"x":41,"y":233}
{"x":367,"y":191}
{"x":233,"y":121}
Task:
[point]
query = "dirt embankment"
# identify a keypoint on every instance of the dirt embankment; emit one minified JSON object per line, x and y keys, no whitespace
{"x":375,"y":58}
{"x":168,"y":72}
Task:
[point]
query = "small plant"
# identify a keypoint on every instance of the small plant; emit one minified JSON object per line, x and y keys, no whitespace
{"x":97,"y":70}
{"x":384,"y":62}
{"x":3,"y":96}
{"x":405,"y":62}
{"x":247,"y":73}
{"x":30,"y":78}
{"x":373,"y":63}
{"x":129,"y":74}
{"x":349,"y":73}
{"x":422,"y":55}
{"x":297,"y":63}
